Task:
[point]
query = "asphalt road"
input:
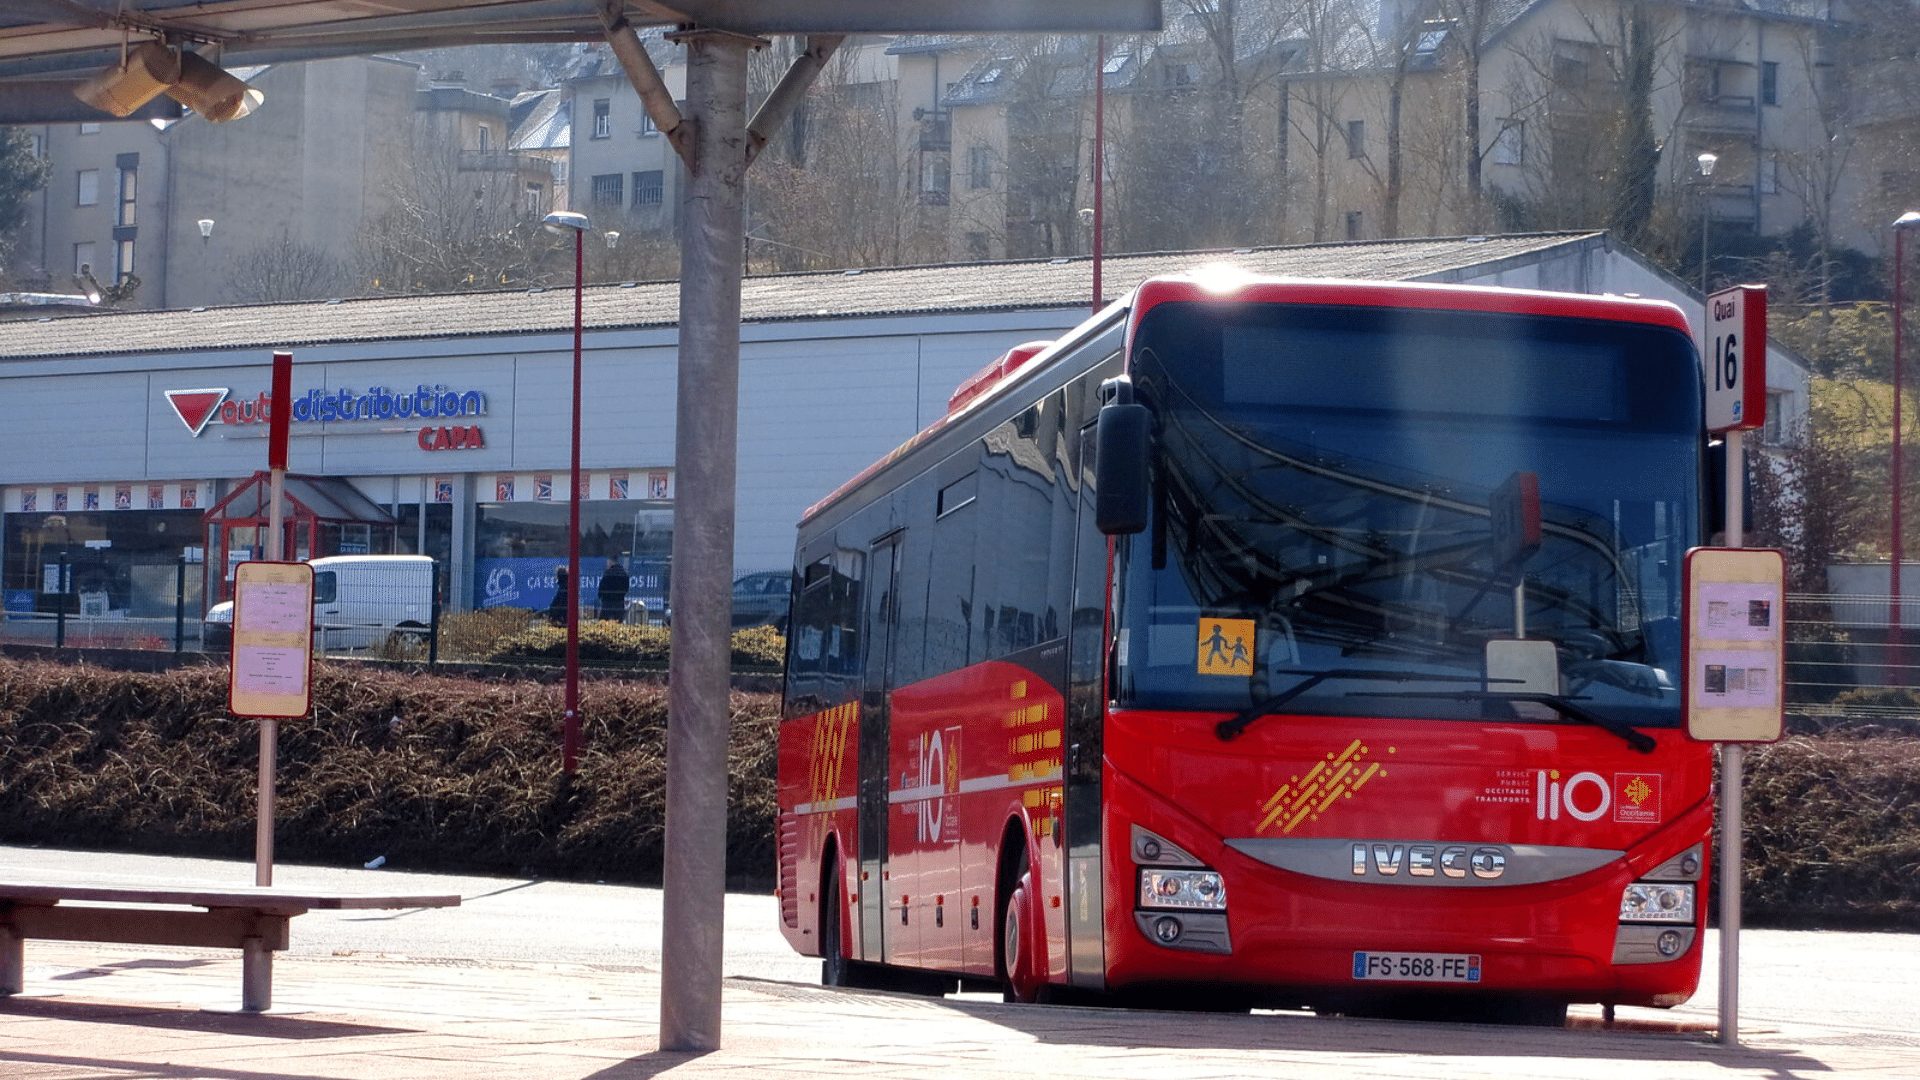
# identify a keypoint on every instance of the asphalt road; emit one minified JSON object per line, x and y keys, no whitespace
{"x":1853,"y":986}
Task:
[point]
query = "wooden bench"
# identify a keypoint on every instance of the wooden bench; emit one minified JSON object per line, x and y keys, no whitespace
{"x":253,"y":920}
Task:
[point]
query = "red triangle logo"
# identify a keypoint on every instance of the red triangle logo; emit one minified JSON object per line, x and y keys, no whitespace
{"x":196,"y":407}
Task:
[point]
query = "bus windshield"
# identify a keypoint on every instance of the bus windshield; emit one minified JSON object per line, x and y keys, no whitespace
{"x":1325,"y":508}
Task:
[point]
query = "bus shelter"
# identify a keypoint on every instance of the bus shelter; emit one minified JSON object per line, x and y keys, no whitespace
{"x":321,"y":515}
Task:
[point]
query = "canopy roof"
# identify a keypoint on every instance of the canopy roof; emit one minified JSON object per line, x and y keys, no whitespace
{"x":65,"y":38}
{"x":322,"y":498}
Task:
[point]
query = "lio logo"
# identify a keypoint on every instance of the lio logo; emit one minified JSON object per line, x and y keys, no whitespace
{"x":1585,"y":796}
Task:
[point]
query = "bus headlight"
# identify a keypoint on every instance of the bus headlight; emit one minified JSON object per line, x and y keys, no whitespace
{"x":1190,"y":890}
{"x":1657,"y":901}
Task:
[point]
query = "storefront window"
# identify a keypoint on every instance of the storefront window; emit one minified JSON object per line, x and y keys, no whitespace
{"x":439,"y":534}
{"x":518,"y":546}
{"x":120,"y":562}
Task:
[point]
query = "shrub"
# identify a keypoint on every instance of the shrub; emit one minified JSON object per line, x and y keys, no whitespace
{"x":472,"y":635}
{"x":604,"y":642}
{"x":431,"y":771}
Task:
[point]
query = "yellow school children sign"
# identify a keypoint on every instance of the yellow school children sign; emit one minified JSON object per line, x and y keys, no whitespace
{"x":1226,"y":647}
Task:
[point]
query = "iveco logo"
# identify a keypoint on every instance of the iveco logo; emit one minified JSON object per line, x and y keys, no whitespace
{"x":1428,"y":860}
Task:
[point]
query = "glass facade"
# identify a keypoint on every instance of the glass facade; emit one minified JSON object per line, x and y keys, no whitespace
{"x":519,"y":545}
{"x":119,"y":561}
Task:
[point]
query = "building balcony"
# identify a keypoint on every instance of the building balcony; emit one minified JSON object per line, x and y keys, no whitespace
{"x":1726,"y":113}
{"x":505,"y":161}
{"x":936,"y":133}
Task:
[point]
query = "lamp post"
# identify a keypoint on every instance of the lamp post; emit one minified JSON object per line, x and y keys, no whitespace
{"x":1895,"y":621}
{"x":562,"y":221}
{"x":1707,"y":161}
{"x":206,"y":230}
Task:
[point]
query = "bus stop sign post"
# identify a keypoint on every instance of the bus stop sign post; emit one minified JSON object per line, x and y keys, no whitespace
{"x":279,"y":419}
{"x":1733,"y":351}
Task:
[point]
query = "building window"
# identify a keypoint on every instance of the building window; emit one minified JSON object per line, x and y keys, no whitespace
{"x":647,"y":126}
{"x":649,"y":188}
{"x":1769,"y":175}
{"x":1774,"y":432}
{"x":977,"y":246}
{"x":1354,"y":224}
{"x":979,"y":167}
{"x":482,"y":138}
{"x":1510,"y":145}
{"x":609,"y":190}
{"x":1356,"y":138}
{"x":88,"y":185}
{"x":602,"y":118}
{"x":83,"y":258}
{"x":38,"y":144}
{"x":536,"y":199}
{"x":1769,"y":83}
{"x":122,"y":261}
{"x":89,"y":129}
{"x":129,"y":190}
{"x":935,"y":178}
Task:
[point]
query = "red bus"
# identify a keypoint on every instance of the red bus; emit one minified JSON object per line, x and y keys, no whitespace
{"x":1307,"y":643}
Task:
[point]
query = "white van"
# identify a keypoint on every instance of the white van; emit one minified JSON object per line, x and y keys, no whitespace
{"x":359,"y":601}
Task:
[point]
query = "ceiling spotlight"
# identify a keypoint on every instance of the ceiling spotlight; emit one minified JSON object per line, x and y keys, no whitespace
{"x":215,"y":94}
{"x":148,"y":69}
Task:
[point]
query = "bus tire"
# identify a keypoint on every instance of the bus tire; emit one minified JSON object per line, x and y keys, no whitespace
{"x":1023,"y":976}
{"x":836,"y":967}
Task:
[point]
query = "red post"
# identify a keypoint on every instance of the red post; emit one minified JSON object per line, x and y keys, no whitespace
{"x":1099,"y":157}
{"x":1893,"y":591}
{"x":570,"y":738}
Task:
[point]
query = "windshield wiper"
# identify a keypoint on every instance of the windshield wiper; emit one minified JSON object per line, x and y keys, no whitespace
{"x":1230,"y":728}
{"x":1565,"y":706}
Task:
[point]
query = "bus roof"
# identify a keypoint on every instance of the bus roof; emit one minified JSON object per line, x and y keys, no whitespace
{"x":1230,"y":284}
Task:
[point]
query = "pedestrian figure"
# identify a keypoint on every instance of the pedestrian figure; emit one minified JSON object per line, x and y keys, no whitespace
{"x":557,"y":610}
{"x":614,"y":581}
{"x":1239,"y":654}
{"x":1216,"y":646}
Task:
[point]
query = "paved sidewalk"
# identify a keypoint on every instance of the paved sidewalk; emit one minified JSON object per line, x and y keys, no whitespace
{"x":114,"y":1012}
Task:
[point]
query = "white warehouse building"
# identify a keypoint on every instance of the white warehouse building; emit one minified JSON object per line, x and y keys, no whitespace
{"x":440,"y":424}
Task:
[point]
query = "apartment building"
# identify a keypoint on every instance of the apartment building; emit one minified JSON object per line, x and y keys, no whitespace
{"x":183,"y":213}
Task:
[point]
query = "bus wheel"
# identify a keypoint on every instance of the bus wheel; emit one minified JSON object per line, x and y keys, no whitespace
{"x":835,"y":968}
{"x":1023,"y":979}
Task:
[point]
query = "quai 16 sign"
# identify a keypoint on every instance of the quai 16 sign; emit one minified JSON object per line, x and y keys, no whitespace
{"x":1735,"y":358}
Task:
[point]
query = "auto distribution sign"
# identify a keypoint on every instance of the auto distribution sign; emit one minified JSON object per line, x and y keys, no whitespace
{"x":1734,"y":358}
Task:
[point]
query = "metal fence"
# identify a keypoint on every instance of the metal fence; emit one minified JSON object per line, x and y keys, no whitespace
{"x":1846,"y":664}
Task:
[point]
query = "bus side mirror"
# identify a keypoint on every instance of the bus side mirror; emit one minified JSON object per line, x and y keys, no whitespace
{"x":1121,"y":446}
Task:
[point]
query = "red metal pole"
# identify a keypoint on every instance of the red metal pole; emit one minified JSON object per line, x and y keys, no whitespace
{"x":570,"y":739}
{"x":1893,"y":591}
{"x":1099,"y":157}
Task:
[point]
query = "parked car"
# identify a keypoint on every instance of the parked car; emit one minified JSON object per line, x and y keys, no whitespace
{"x":359,"y":601}
{"x":762,"y":598}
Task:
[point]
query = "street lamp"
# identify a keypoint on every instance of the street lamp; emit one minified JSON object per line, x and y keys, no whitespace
{"x":206,"y":230}
{"x":563,"y":221}
{"x":1707,"y":161}
{"x":1900,"y":226}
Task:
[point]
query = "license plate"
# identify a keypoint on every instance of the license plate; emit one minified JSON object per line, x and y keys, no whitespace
{"x":1416,"y":967}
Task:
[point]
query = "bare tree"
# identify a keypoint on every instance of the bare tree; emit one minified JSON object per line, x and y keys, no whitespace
{"x":456,"y":219}
{"x":284,"y":270}
{"x":840,"y":189}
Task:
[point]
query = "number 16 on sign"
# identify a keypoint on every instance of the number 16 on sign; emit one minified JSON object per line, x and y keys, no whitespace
{"x":1735,"y":354}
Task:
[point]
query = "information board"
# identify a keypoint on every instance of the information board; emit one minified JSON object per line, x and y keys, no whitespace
{"x":1735,"y":612}
{"x":271,"y":674}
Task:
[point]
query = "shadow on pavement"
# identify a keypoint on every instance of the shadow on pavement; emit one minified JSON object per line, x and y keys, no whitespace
{"x":647,"y":1065}
{"x":111,"y":1067}
{"x":258,"y":1025}
{"x":1097,"y":1026}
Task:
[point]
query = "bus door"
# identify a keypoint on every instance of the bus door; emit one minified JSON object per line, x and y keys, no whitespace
{"x":1086,"y":701}
{"x":877,"y":684}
